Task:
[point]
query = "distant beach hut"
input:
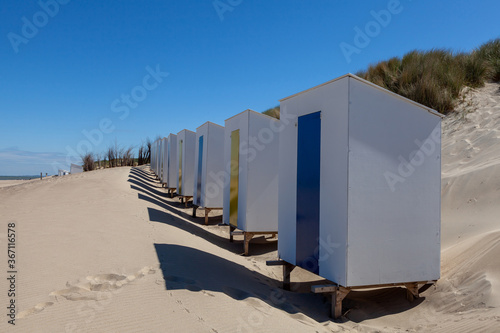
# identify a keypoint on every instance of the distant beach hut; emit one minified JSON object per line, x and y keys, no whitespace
{"x":155,"y":158}
{"x":185,"y":159}
{"x":158,"y":159}
{"x":75,"y":168}
{"x":251,"y":183}
{"x":359,"y":187}
{"x":163,"y":161}
{"x":62,"y":172}
{"x":171,"y":162}
{"x":152,"y":157}
{"x":209,"y":166}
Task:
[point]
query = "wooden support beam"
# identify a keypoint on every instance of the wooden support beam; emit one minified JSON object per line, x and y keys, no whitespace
{"x":231,"y":229}
{"x":337,"y":298}
{"x":324,"y":288}
{"x":194,"y":210}
{"x":247,"y":238}
{"x":338,"y":294}
{"x":207,"y":210}
{"x":287,"y":272}
{"x":411,"y":291}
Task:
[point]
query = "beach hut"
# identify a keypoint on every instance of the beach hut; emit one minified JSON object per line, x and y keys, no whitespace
{"x":156,"y":159}
{"x":163,"y":161}
{"x":160,"y":160}
{"x":185,"y":159}
{"x":62,"y":172}
{"x":359,"y":187}
{"x":171,"y":163}
{"x":209,"y":165}
{"x":75,"y":169}
{"x":250,"y":199}
{"x":152,"y":157}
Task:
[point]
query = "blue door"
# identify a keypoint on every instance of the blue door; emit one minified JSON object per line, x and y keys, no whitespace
{"x":308,"y":177}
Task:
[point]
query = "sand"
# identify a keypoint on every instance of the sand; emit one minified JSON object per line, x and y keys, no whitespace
{"x":109,"y":251}
{"x":5,"y":183}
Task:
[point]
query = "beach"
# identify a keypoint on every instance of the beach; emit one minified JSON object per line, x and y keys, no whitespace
{"x":110,"y":251}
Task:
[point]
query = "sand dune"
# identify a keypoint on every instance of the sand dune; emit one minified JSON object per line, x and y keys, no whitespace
{"x":109,"y":251}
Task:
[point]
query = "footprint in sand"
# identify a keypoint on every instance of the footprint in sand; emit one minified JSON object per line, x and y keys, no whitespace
{"x":36,"y":309}
{"x":94,"y":288}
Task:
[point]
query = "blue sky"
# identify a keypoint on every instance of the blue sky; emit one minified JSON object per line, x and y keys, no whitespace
{"x":127,"y":70}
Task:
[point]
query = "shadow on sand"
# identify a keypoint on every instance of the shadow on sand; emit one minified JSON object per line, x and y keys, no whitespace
{"x":191,"y":269}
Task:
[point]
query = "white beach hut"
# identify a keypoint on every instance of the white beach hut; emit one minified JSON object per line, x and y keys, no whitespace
{"x":76,"y":169}
{"x":250,"y":201}
{"x":209,"y":165}
{"x":359,"y":187}
{"x":185,"y":159}
{"x":156,"y":165}
{"x":62,"y":172}
{"x":152,"y":157}
{"x":163,"y":161}
{"x":172,"y":164}
{"x":160,"y":160}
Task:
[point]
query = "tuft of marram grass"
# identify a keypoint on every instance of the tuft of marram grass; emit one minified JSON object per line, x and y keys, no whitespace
{"x":273,"y":112}
{"x":490,"y":53}
{"x":436,"y":78}
{"x":433,"y":78}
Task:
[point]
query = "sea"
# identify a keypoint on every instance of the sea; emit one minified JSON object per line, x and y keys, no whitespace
{"x":18,"y":177}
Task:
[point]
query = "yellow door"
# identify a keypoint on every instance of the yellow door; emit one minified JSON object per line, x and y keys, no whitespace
{"x":234,"y":178}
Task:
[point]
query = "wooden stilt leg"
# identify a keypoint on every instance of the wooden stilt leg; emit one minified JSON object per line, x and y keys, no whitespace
{"x":207,"y":210}
{"x":247,"y":238}
{"x":411,"y":291}
{"x":194,"y":210}
{"x":231,"y":229}
{"x":337,"y":297}
{"x":287,"y":270}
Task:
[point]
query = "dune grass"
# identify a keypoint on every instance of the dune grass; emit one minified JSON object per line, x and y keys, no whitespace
{"x":273,"y":112}
{"x":434,"y":78}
